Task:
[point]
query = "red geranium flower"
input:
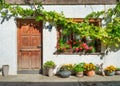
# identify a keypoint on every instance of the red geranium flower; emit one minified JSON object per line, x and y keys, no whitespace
{"x":77,"y":49}
{"x":80,"y":48}
{"x":90,"y":48}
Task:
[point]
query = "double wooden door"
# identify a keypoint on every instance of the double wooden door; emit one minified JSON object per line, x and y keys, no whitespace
{"x":29,"y":44}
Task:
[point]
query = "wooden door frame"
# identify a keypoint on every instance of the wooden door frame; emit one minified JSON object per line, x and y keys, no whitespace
{"x":18,"y":19}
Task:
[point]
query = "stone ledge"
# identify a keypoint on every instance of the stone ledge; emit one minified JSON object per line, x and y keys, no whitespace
{"x":42,"y":78}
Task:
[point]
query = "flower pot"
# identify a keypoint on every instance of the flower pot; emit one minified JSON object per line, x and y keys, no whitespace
{"x":79,"y":74}
{"x":65,"y":73}
{"x":117,"y":72}
{"x":110,"y":73}
{"x":45,"y":72}
{"x":50,"y":72}
{"x":5,"y":70}
{"x":90,"y":73}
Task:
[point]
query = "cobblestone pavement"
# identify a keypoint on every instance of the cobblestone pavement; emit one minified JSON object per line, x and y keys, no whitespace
{"x":40,"y":80}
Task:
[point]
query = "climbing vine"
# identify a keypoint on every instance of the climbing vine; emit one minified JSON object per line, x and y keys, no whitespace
{"x":111,"y":17}
{"x":109,"y":35}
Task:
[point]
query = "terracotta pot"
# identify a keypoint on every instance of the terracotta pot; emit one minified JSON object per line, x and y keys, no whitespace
{"x":90,"y":73}
{"x":79,"y":74}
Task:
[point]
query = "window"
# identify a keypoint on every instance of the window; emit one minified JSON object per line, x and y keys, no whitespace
{"x":75,"y":44}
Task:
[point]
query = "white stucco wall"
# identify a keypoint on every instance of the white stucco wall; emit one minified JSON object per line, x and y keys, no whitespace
{"x":8,"y":40}
{"x":8,"y":45}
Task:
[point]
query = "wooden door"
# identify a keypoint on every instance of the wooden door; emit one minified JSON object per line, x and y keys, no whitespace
{"x":29,"y":44}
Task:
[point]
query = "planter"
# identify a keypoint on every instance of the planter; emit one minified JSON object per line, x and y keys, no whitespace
{"x":79,"y":74}
{"x":5,"y":70}
{"x":50,"y":72}
{"x":110,"y":74}
{"x":90,"y":73}
{"x":65,"y":73}
{"x":117,"y":72}
{"x":45,"y":72}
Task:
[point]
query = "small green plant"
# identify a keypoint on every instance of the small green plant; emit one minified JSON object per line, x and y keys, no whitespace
{"x":117,"y":69}
{"x":49,"y":64}
{"x":79,"y":67}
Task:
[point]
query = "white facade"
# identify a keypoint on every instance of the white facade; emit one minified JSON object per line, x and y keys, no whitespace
{"x":8,"y":40}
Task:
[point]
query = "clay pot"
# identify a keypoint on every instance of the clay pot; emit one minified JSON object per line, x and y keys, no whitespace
{"x":90,"y":73}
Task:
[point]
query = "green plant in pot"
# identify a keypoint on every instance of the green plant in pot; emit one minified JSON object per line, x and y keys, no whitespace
{"x":78,"y":69}
{"x":48,"y":68}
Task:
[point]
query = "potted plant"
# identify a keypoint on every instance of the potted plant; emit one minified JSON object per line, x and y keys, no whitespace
{"x":79,"y":68}
{"x":117,"y":71}
{"x":48,"y":68}
{"x":110,"y":70}
{"x":66,"y":70}
{"x":89,"y":69}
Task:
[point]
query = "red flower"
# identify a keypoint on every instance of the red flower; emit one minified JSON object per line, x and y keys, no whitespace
{"x":80,"y":48}
{"x":77,"y":49}
{"x":84,"y":44}
{"x":69,"y":41}
{"x":90,"y":48}
{"x":86,"y":47}
{"x":74,"y":43}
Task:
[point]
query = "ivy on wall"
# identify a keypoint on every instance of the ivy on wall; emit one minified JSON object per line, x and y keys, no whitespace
{"x":112,"y":24}
{"x":109,"y":35}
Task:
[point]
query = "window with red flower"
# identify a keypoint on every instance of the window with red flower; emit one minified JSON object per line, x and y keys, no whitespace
{"x":73,"y":44}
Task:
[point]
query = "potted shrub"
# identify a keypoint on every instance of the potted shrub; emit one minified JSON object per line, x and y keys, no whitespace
{"x":79,"y":68}
{"x":117,"y":71}
{"x":89,"y":69}
{"x":66,"y":70}
{"x":110,"y":70}
{"x":48,"y":68}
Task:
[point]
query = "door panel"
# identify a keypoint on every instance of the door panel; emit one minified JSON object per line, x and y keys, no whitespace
{"x":25,"y":60}
{"x":35,"y":60}
{"x":29,"y":44}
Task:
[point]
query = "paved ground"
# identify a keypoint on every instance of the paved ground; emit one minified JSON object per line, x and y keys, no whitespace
{"x":40,"y":80}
